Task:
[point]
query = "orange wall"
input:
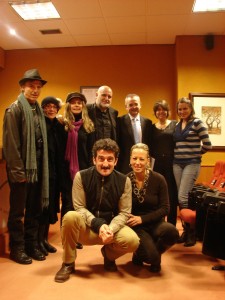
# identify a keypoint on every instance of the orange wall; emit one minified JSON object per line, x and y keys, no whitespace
{"x":145,"y":70}
{"x":152,"y":71}
{"x":2,"y":58}
{"x":199,"y":70}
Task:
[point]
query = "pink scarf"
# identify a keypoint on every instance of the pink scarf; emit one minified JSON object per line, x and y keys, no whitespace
{"x":71,"y":149}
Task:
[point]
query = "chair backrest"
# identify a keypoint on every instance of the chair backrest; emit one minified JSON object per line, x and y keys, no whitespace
{"x":217,"y":173}
{"x":220,"y":184}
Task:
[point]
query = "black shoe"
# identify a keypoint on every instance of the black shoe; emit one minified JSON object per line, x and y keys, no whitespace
{"x":35,"y":253}
{"x":109,"y":265}
{"x":190,"y":241}
{"x":155,"y":268}
{"x":20,"y":257}
{"x":43,"y":249}
{"x":136,"y":260}
{"x":49,"y":247}
{"x":190,"y":237}
{"x":79,"y":246}
{"x":64,"y":273}
{"x":182,"y":238}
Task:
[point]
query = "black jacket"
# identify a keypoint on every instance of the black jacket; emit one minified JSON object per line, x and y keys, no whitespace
{"x":112,"y":116}
{"x":103,"y":193}
{"x":125,"y":139}
{"x":56,"y":152}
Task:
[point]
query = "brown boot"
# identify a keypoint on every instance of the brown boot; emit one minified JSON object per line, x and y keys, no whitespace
{"x":64,"y":273}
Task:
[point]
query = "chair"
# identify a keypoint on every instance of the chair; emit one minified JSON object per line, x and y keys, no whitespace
{"x":216,"y":183}
{"x":216,"y":175}
{"x":200,"y":196}
{"x":188,"y":215}
{"x":217,"y":179}
{"x":220,"y":184}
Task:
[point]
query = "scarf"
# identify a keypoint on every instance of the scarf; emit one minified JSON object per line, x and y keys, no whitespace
{"x":72,"y":150}
{"x":31,"y":161}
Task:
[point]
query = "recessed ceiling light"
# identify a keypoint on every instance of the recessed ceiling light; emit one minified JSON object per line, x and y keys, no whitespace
{"x":35,"y":10}
{"x":209,"y":5}
{"x":12,"y":31}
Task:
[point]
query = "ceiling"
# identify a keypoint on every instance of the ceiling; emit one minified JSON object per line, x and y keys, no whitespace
{"x":109,"y":22}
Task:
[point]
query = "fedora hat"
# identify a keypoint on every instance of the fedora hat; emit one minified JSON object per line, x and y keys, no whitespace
{"x":72,"y":95}
{"x":32,"y":74}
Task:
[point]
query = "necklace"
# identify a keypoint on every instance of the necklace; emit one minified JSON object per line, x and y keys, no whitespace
{"x":162,"y":126}
{"x":139,"y":193}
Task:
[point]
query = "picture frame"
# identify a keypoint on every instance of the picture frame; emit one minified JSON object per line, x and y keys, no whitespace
{"x":210,"y":108}
{"x":89,"y":92}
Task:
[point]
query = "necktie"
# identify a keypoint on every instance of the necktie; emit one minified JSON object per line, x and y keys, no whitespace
{"x":136,"y":133}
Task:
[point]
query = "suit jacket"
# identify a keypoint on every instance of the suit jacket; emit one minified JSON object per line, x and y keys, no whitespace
{"x":112,"y":115}
{"x":125,"y":139}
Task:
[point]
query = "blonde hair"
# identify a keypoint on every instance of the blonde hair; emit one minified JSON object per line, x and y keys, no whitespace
{"x":143,"y":147}
{"x":69,"y":118}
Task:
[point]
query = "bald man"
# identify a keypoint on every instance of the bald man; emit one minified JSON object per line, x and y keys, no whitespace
{"x":103,"y":115}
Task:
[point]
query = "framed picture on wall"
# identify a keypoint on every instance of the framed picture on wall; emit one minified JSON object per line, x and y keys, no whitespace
{"x":210,"y":108}
{"x":89,"y":92}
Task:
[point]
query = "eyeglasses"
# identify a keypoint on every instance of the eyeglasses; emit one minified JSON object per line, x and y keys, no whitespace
{"x":51,"y":106}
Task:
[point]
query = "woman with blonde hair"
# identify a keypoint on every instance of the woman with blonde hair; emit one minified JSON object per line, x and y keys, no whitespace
{"x":150,"y":206}
{"x":78,"y":148}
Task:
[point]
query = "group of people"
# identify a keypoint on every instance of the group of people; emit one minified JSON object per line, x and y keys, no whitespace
{"x":101,"y":168}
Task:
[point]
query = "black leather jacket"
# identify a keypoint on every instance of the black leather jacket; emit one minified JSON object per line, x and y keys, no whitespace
{"x":15,"y":142}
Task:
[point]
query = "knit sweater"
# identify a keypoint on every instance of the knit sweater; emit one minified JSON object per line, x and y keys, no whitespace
{"x":191,"y":142}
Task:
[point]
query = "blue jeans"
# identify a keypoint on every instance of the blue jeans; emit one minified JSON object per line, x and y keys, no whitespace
{"x":185,"y":176}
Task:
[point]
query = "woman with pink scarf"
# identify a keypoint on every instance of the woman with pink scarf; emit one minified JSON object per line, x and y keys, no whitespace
{"x":80,"y":139}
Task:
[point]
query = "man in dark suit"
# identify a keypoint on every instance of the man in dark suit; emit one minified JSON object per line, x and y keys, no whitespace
{"x":103,"y":116}
{"x":132,"y":128}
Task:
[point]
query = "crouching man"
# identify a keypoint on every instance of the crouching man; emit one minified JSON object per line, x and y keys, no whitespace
{"x":102,"y":202}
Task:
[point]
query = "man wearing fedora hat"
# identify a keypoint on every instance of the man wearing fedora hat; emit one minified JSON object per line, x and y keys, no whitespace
{"x":26,"y":153}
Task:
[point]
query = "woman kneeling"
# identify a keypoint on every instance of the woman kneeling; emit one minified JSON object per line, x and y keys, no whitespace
{"x":150,"y":206}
